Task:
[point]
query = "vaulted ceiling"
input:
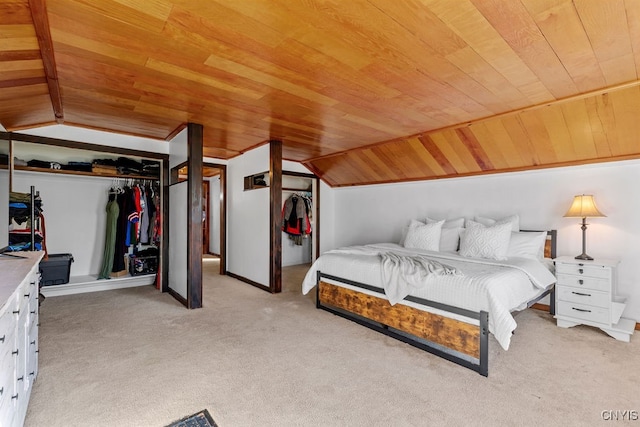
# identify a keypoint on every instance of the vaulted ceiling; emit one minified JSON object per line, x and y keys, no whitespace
{"x":360,"y":91}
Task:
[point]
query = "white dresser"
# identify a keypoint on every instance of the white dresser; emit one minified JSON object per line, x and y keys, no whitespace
{"x":18,"y":334}
{"x":586,"y":294}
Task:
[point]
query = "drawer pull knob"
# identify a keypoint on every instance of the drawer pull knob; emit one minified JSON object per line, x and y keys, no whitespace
{"x":16,"y":311}
{"x":581,"y":294}
{"x":580,"y":270}
{"x":581,"y":281}
{"x":1,"y":391}
{"x":21,"y":378}
{"x":581,"y":309}
{"x":32,"y":283}
{"x":15,"y":352}
{"x":33,"y":312}
{"x":33,"y":342}
{"x":15,"y":396}
{"x":27,"y":295}
{"x":2,"y":338}
{"x":580,"y":264}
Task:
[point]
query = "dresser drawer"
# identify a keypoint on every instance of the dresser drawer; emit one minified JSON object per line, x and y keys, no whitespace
{"x":7,"y":330}
{"x":584,"y":312}
{"x":584,"y":270}
{"x":6,"y":377}
{"x":583,"y":296}
{"x":584,"y":282}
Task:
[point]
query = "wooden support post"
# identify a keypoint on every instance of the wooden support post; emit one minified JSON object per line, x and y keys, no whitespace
{"x":275,"y":189}
{"x":194,"y":216}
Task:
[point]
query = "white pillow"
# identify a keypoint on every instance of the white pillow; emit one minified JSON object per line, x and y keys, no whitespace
{"x":405,"y":230}
{"x":450,"y":239}
{"x":449,"y":223}
{"x":478,"y":241}
{"x":514,"y":220}
{"x":425,"y":236}
{"x":527,"y":244}
{"x":450,"y":236}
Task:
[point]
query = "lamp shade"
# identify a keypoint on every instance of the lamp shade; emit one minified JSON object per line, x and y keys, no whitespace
{"x":583,"y":206}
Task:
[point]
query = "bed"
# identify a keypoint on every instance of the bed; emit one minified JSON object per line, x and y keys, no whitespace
{"x":448,"y":313}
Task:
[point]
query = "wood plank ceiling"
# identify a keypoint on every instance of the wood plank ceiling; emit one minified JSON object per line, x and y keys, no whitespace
{"x":361,"y":91}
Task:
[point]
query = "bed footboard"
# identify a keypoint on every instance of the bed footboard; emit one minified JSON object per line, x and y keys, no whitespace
{"x":460,"y":342}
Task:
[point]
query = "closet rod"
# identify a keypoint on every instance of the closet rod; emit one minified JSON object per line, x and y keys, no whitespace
{"x":297,"y":189}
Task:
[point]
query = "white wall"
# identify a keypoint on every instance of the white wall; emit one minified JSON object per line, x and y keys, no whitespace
{"x":248,"y":218}
{"x":327,"y":224}
{"x":377,"y":213}
{"x":91,"y":136}
{"x":214,"y":215}
{"x":178,"y":221}
{"x":178,"y":231}
{"x":75,"y":216}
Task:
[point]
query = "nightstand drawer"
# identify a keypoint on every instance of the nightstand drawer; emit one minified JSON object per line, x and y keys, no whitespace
{"x":584,"y":312}
{"x":584,"y":270}
{"x":584,"y":282}
{"x":583,"y":296}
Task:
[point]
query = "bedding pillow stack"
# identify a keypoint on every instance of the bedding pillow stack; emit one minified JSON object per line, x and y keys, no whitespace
{"x":482,"y":238}
{"x":519,"y":244}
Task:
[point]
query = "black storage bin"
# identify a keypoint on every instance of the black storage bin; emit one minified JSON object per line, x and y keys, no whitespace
{"x":55,"y":270}
{"x":143,"y":265}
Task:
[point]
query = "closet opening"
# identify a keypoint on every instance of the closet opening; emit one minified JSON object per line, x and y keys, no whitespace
{"x":213,"y":217}
{"x":300,"y":229}
{"x":104,"y":209}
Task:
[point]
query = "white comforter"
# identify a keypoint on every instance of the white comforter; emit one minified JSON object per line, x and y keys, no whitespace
{"x":498,"y":287}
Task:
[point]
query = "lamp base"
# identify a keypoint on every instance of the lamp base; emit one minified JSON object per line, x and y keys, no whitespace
{"x":585,"y":257}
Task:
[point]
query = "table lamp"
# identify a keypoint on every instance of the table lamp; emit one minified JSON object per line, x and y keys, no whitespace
{"x":583,"y":206}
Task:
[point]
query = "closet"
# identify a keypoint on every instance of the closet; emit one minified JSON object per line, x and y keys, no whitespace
{"x":299,"y":234}
{"x":76,"y":188}
{"x":4,"y":192}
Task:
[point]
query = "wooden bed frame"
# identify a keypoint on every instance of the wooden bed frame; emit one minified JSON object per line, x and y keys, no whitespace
{"x":464,"y":343}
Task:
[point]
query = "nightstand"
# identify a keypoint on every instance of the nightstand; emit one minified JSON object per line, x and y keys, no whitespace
{"x":585,"y":295}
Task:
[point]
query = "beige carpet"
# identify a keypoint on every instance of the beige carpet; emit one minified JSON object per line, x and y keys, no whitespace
{"x":135,"y":357}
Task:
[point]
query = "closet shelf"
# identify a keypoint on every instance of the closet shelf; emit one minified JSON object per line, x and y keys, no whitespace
{"x":81,"y":173}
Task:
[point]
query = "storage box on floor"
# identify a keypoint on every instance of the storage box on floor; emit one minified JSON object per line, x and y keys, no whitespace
{"x":146,"y":264}
{"x":54,"y":269}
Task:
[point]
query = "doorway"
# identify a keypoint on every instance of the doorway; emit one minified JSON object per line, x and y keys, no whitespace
{"x":214,"y":213}
{"x":206,"y":209}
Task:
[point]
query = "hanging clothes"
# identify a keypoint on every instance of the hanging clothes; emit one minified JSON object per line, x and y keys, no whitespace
{"x":296,"y":213}
{"x":144,"y":217}
{"x":113,"y":212}
{"x":121,"y":230}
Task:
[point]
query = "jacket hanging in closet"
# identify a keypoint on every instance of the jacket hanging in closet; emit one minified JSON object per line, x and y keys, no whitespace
{"x":296,"y":217}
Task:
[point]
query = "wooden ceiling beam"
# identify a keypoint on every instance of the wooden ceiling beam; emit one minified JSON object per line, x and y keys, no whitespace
{"x":43,"y":33}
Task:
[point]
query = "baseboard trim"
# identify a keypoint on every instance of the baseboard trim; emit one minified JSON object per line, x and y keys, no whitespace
{"x":249,"y":281}
{"x":84,"y":284}
{"x":182,"y":300}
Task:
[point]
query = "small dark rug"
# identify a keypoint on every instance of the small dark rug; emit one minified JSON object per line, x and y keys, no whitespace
{"x":199,"y":419}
